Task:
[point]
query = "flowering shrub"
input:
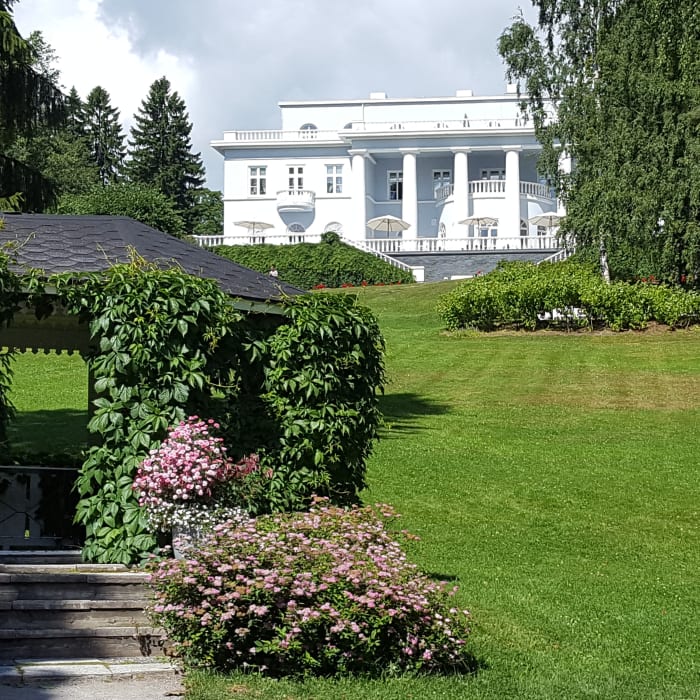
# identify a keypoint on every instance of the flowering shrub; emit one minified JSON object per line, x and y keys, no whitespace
{"x":190,"y":479}
{"x":328,"y":591}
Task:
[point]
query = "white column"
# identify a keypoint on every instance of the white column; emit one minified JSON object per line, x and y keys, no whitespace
{"x":461,"y":188}
{"x":409,"y":204}
{"x":565,"y":168}
{"x":509,"y":220}
{"x":358,"y":231}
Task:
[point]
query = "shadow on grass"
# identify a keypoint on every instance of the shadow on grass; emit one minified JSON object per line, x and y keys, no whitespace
{"x":401,"y":410}
{"x":62,"y":430}
{"x":441,"y":577}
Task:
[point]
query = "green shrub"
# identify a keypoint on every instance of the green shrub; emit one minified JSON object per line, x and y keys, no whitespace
{"x":324,"y":592}
{"x":528,"y":296}
{"x":322,"y":372}
{"x":313,"y":265}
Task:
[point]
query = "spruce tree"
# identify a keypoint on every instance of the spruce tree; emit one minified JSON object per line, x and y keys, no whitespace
{"x":161,"y":149}
{"x":104,"y":135}
{"x":75,"y":114}
{"x":29,"y":101}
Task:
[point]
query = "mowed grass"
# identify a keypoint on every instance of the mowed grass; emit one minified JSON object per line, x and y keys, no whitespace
{"x":49,"y":393}
{"x":555,"y":479}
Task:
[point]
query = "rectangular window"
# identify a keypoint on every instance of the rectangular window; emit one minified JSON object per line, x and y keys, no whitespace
{"x":334,"y":179}
{"x":395,"y":185}
{"x":441,"y":178}
{"x":296,"y":178}
{"x":493,"y":174}
{"x":257,"y":177}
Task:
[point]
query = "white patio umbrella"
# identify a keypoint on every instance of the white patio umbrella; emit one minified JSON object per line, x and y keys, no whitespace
{"x":388,"y":224}
{"x":549,"y":219}
{"x":480,"y":221}
{"x":253,"y":226}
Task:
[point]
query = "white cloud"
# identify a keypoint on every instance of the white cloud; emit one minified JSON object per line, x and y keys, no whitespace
{"x":233,"y":60}
{"x":90,"y":53}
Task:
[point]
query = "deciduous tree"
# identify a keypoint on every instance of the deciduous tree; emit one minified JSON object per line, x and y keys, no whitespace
{"x":621,"y":76}
{"x":141,"y":202}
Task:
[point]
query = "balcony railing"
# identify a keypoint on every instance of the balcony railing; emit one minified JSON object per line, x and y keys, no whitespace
{"x":443,"y":125}
{"x":479,"y":187}
{"x":337,"y":135}
{"x":470,"y":243}
{"x":401,"y":245}
{"x":280,"y":135}
{"x":296,"y":200}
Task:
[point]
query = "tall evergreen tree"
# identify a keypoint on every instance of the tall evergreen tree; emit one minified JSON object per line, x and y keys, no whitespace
{"x":75,"y":114}
{"x":161,"y":149}
{"x":104,"y":135}
{"x":622,"y":76}
{"x":29,"y":101}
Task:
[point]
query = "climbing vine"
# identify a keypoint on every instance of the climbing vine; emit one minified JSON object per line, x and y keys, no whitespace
{"x":298,"y":386}
{"x":160,"y":354}
{"x":322,"y":371}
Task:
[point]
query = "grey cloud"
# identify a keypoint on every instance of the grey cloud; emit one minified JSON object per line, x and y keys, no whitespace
{"x":248,"y":56}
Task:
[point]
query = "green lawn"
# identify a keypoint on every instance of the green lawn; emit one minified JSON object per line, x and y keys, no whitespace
{"x":555,"y":477}
{"x":50,"y":395}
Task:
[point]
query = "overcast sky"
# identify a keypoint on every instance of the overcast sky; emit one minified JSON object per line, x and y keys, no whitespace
{"x":232,"y":61}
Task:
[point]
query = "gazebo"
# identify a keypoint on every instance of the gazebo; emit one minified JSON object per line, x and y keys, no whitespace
{"x":84,"y":244}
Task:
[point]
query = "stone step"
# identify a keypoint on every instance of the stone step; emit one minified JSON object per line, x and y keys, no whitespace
{"x":49,"y":556}
{"x":71,"y":585}
{"x":74,"y":610}
{"x":62,"y":643}
{"x":72,"y":614}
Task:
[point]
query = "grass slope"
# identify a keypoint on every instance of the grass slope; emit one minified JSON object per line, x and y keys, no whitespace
{"x":555,"y":478}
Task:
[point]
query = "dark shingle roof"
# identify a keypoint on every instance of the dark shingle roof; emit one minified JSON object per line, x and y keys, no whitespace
{"x":57,"y":243}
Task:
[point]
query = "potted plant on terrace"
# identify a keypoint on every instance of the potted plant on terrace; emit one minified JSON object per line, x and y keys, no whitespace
{"x":189,"y":483}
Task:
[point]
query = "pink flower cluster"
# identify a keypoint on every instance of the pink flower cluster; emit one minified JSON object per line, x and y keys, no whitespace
{"x":326,"y":591}
{"x":188,"y":469}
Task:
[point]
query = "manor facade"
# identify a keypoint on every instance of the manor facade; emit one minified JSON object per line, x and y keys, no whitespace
{"x":432,"y":162}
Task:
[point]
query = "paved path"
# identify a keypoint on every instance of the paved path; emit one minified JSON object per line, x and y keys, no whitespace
{"x":89,"y":679}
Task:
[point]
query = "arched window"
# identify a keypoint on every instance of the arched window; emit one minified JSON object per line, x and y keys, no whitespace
{"x":348,"y":126}
{"x":443,"y":231}
{"x":334,"y":226}
{"x":308,"y":130}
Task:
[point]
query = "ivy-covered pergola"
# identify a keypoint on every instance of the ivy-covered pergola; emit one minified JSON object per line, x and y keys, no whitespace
{"x":170,"y":330}
{"x":63,"y":274}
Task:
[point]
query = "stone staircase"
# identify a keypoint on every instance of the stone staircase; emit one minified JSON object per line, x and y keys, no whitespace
{"x":71,"y":610}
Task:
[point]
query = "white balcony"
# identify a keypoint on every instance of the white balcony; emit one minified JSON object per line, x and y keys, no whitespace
{"x":488,"y":188}
{"x":296,"y":200}
{"x":388,"y":246}
{"x":469,"y":243}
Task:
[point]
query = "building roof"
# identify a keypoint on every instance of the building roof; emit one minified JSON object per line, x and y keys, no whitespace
{"x":60,"y":243}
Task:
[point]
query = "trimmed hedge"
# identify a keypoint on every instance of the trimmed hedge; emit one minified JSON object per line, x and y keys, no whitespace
{"x":525,"y":295}
{"x":313,"y":265}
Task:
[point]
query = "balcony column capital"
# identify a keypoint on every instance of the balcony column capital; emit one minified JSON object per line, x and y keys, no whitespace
{"x":461,"y":149}
{"x":363,"y":153}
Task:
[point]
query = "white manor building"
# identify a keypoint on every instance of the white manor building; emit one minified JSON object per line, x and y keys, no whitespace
{"x":431,"y":161}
